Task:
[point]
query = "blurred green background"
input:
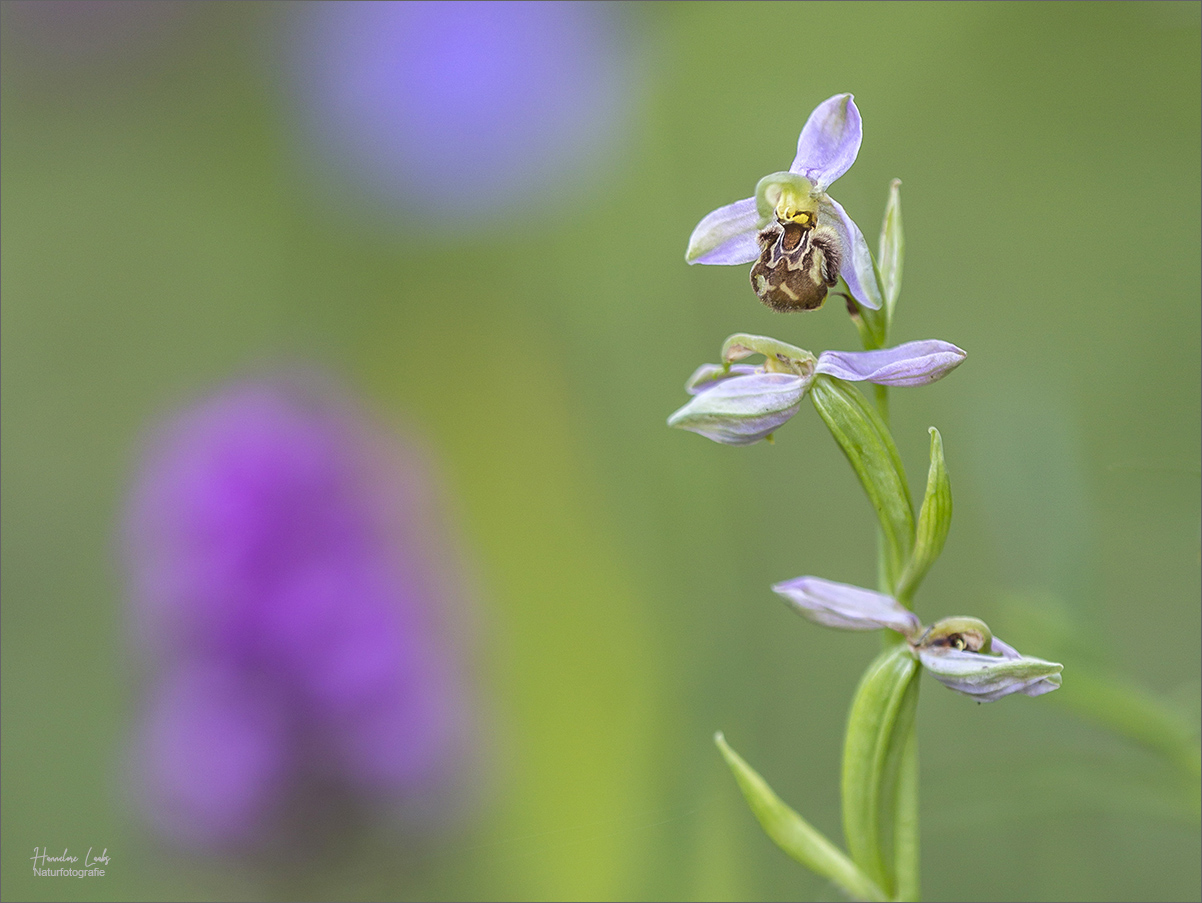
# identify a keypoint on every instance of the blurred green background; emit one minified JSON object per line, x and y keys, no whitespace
{"x":159,"y":238}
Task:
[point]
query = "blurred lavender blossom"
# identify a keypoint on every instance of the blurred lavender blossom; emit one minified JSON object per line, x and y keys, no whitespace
{"x":460,"y":110}
{"x":290,"y":595}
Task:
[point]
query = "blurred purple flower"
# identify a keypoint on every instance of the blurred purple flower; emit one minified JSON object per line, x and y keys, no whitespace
{"x":455,"y":108}
{"x":289,"y":594}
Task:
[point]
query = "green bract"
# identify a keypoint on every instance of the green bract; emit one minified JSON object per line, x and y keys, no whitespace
{"x":869,"y":447}
{"x":934,"y":521}
{"x":892,"y":249}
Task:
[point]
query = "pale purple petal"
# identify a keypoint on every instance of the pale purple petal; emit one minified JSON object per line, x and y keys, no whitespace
{"x":846,"y":607}
{"x":1005,"y":650}
{"x":726,"y":236}
{"x":743,"y":410}
{"x":707,"y":376}
{"x":911,"y":364}
{"x":857,"y":268}
{"x":987,"y":678}
{"x":830,"y":141}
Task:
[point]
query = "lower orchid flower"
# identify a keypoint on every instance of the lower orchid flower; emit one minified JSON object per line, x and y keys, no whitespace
{"x":960,"y":653}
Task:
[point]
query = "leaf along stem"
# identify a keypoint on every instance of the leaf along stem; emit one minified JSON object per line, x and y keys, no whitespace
{"x":794,"y":834}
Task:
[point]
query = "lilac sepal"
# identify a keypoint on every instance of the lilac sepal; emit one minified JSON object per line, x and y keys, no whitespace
{"x":726,"y":235}
{"x":911,"y":364}
{"x":743,"y":410}
{"x":987,"y":678}
{"x":846,"y":607}
{"x":857,"y":268}
{"x":830,"y":141}
{"x":707,"y":376}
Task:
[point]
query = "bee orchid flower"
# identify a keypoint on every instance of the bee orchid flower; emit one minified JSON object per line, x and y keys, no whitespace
{"x":738,"y":404}
{"x":799,"y":237}
{"x":960,"y":653}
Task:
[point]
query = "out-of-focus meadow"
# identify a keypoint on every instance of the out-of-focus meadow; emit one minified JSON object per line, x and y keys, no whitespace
{"x":468,"y":224}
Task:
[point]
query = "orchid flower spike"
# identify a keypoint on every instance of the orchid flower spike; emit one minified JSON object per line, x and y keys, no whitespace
{"x":738,"y":404}
{"x":800,"y":238}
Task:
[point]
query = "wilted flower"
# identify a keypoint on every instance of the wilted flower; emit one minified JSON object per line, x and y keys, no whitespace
{"x":961,"y":653}
{"x":289,"y":592}
{"x":801,"y":238}
{"x":739,"y":404}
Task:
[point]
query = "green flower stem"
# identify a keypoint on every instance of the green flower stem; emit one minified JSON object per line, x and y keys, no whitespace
{"x":882,"y":403}
{"x":795,"y":835}
{"x":874,"y":333}
{"x":871,"y":324}
{"x":906,"y":849}
{"x":879,"y":727}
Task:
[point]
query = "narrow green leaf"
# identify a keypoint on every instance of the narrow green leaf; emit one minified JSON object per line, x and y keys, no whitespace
{"x":905,"y":824}
{"x":934,"y":520}
{"x":869,"y":447}
{"x":892,"y":249}
{"x":794,"y":834}
{"x":878,"y":728}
